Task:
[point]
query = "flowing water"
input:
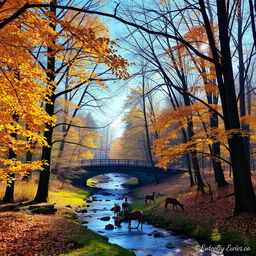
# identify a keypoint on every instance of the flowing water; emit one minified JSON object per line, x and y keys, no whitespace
{"x":140,"y":241}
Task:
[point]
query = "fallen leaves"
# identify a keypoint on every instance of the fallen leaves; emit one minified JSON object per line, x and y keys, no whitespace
{"x":32,"y":235}
{"x":200,"y":208}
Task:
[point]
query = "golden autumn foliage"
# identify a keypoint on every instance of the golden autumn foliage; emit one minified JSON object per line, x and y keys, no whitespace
{"x":170,"y":146}
{"x":89,"y":44}
{"x":25,"y":87}
{"x":133,"y":140}
{"x":22,"y":87}
{"x":116,"y":150}
{"x":184,"y":60}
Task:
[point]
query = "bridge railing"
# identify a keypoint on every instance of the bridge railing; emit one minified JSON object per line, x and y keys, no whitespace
{"x":123,"y":162}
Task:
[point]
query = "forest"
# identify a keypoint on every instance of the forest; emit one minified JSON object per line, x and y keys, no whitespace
{"x":178,"y":75}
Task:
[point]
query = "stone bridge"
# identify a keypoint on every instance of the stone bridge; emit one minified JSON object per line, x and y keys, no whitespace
{"x":142,"y":170}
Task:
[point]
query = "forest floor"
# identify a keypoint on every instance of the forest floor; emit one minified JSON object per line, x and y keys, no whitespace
{"x":208,"y":218}
{"x":23,"y":234}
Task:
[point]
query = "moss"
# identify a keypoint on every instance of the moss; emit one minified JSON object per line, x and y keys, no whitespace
{"x":67,"y":197}
{"x":93,"y":182}
{"x":131,"y":182}
{"x":142,"y":206}
{"x":95,"y":245}
{"x":231,"y":237}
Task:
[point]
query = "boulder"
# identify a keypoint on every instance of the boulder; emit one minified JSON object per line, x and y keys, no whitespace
{"x":81,"y":210}
{"x":105,"y":218}
{"x":109,"y":227}
{"x":84,"y":222}
{"x":158,"y":234}
{"x":169,"y":246}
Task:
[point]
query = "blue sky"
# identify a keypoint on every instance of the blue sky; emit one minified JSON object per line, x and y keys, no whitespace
{"x":114,"y":109}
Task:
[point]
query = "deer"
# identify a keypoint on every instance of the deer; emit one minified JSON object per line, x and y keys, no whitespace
{"x":135,"y":215}
{"x":125,"y":205}
{"x":150,"y":197}
{"x":174,"y":202}
{"x":116,"y":209}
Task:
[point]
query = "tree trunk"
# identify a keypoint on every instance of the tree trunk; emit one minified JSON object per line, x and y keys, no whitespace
{"x":64,"y":130}
{"x":196,"y":168}
{"x":242,"y":76}
{"x":43,"y":185}
{"x":252,"y":15}
{"x":175,"y":103}
{"x":218,"y":171}
{"x":29,"y":158}
{"x":148,"y":145}
{"x":9,"y":191}
{"x":245,"y":200}
{"x":190,"y":129}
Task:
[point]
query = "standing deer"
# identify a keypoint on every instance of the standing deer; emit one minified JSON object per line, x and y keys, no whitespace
{"x":116,"y":209}
{"x":150,"y":197}
{"x":125,"y":205}
{"x":136,"y":215}
{"x":174,"y":202}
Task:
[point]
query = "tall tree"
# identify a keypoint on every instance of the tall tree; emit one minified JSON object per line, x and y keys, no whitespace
{"x":245,"y":200}
{"x":22,"y":89}
{"x":88,"y":44}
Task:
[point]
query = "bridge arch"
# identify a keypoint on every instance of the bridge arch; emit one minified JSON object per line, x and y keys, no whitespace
{"x":128,"y":175}
{"x":141,"y":169}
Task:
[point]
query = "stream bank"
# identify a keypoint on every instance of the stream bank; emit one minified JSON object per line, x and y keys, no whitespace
{"x":210,"y":222}
{"x":26,"y":234}
{"x":148,"y":241}
{"x":69,"y":202}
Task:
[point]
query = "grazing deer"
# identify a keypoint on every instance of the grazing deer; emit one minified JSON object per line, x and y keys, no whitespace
{"x":116,"y":209}
{"x":150,"y":197}
{"x":174,"y":202}
{"x":125,"y":205}
{"x":136,"y":215}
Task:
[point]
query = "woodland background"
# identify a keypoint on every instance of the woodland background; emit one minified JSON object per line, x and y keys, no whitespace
{"x":190,"y":69}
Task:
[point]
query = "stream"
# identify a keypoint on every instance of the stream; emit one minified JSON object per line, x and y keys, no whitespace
{"x":140,"y":241}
